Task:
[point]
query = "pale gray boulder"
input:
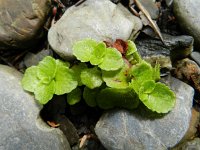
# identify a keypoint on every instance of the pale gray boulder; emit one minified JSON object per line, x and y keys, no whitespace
{"x":101,"y":20}
{"x":21,"y":127}
{"x":187,"y":13}
{"x":138,"y":130}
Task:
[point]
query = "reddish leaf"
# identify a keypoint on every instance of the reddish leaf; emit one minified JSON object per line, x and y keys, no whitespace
{"x":121,"y":46}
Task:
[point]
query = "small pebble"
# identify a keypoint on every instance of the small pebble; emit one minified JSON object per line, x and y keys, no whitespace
{"x":33,"y":59}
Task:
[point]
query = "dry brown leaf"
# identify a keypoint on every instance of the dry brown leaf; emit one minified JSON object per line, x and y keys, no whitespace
{"x":53,"y":124}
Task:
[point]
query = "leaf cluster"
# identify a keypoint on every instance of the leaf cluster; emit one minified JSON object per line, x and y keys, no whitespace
{"x":103,"y":78}
{"x":49,"y":77}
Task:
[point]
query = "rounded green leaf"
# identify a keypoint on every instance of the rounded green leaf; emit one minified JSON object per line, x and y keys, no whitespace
{"x":83,"y":49}
{"x":78,"y":68}
{"x":135,"y":85}
{"x":161,"y":99}
{"x":62,"y":63}
{"x":117,"y":79}
{"x":30,"y":80}
{"x":147,"y":86}
{"x":132,"y":55}
{"x":91,"y":77}
{"x":74,"y":96}
{"x":90,"y":95}
{"x":124,"y":98}
{"x":65,"y":80}
{"x":47,"y":68}
{"x":131,"y":48}
{"x":112,"y":60}
{"x":44,"y":93}
{"x":98,"y":54}
{"x":142,"y":72}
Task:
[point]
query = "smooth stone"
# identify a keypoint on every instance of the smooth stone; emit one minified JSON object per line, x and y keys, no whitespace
{"x":54,"y":111}
{"x":196,"y":57}
{"x":69,"y":130}
{"x":20,"y":123}
{"x":126,"y":130}
{"x":153,"y":50}
{"x":21,"y":22}
{"x":99,"y":20}
{"x":32,"y":59}
{"x":183,"y":45}
{"x":187,"y":13}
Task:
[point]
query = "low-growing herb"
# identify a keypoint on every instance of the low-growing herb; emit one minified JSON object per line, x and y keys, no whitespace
{"x":106,"y":76}
{"x":49,"y":77}
{"x":74,"y":96}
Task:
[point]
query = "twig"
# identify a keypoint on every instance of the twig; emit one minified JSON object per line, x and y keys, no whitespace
{"x":133,"y":10}
{"x":147,"y":15}
{"x":83,"y":140}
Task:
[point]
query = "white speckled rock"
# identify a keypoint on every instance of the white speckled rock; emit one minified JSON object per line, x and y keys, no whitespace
{"x":97,"y":19}
{"x":125,"y":130}
{"x":20,"y":125}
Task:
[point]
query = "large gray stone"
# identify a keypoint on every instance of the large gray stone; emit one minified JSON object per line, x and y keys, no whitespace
{"x":125,"y":130}
{"x":21,"y":22}
{"x":20,"y":125}
{"x":187,"y":13}
{"x":101,"y":20}
{"x":154,"y":51}
{"x":180,"y":46}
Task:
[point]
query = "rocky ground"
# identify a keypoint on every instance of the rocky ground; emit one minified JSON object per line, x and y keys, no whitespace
{"x":31,"y":30}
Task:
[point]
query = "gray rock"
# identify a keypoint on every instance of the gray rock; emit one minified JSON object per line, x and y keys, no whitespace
{"x":21,"y":22}
{"x":20,"y":124}
{"x":196,"y":57}
{"x":100,"y":20}
{"x":69,"y":130}
{"x":189,"y":145}
{"x":125,"y":130}
{"x":187,"y":13}
{"x":153,"y":50}
{"x":33,"y":59}
{"x":183,"y":45}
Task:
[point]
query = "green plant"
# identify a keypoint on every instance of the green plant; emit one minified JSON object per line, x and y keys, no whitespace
{"x":104,"y":77}
{"x":49,"y":77}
